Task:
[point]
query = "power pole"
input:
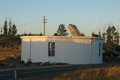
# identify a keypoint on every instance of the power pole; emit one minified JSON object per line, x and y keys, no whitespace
{"x":44,"y":21}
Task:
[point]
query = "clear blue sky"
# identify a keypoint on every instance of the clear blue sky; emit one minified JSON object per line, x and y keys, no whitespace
{"x":87,"y":15}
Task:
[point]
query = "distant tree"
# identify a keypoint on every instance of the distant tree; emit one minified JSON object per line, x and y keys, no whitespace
{"x":55,"y":34}
{"x":61,"y":30}
{"x":10,"y":28}
{"x":14,"y":30}
{"x":5,"y":28}
{"x":1,"y":31}
{"x":109,"y":41}
{"x":112,"y":38}
{"x":117,"y":48}
{"x":116,"y":34}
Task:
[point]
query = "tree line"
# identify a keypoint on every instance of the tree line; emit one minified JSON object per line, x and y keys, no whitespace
{"x":111,"y":35}
{"x":8,"y":29}
{"x":8,"y":37}
{"x":111,"y":39}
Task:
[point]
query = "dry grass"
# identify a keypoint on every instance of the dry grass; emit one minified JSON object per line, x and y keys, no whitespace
{"x":112,"y":73}
{"x":7,"y":52}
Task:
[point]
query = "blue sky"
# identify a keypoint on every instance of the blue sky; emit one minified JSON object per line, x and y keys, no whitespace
{"x":88,"y":15}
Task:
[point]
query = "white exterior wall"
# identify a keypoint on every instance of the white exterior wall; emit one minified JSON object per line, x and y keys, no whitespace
{"x":75,"y":50}
{"x":25,"y":55}
{"x":97,"y":57}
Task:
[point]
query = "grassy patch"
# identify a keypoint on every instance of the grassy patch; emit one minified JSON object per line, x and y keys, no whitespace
{"x":109,"y":73}
{"x":112,"y":73}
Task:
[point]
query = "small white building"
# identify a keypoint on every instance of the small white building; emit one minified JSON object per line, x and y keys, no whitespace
{"x":63,"y":49}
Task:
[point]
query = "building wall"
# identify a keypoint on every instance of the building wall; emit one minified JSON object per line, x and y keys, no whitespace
{"x":25,"y":49}
{"x":73,"y":50}
{"x":97,"y":47}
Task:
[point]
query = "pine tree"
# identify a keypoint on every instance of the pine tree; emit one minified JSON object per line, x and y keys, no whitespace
{"x":112,"y":38}
{"x":14,"y":30}
{"x":1,"y":31}
{"x":10,"y":28}
{"x":5,"y":28}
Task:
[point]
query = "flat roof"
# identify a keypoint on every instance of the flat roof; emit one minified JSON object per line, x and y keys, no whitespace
{"x":64,"y":37}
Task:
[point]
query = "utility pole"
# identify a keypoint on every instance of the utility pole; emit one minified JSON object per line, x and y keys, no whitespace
{"x":44,"y":21}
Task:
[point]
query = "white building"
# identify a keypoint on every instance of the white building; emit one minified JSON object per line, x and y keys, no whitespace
{"x":72,"y":50}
